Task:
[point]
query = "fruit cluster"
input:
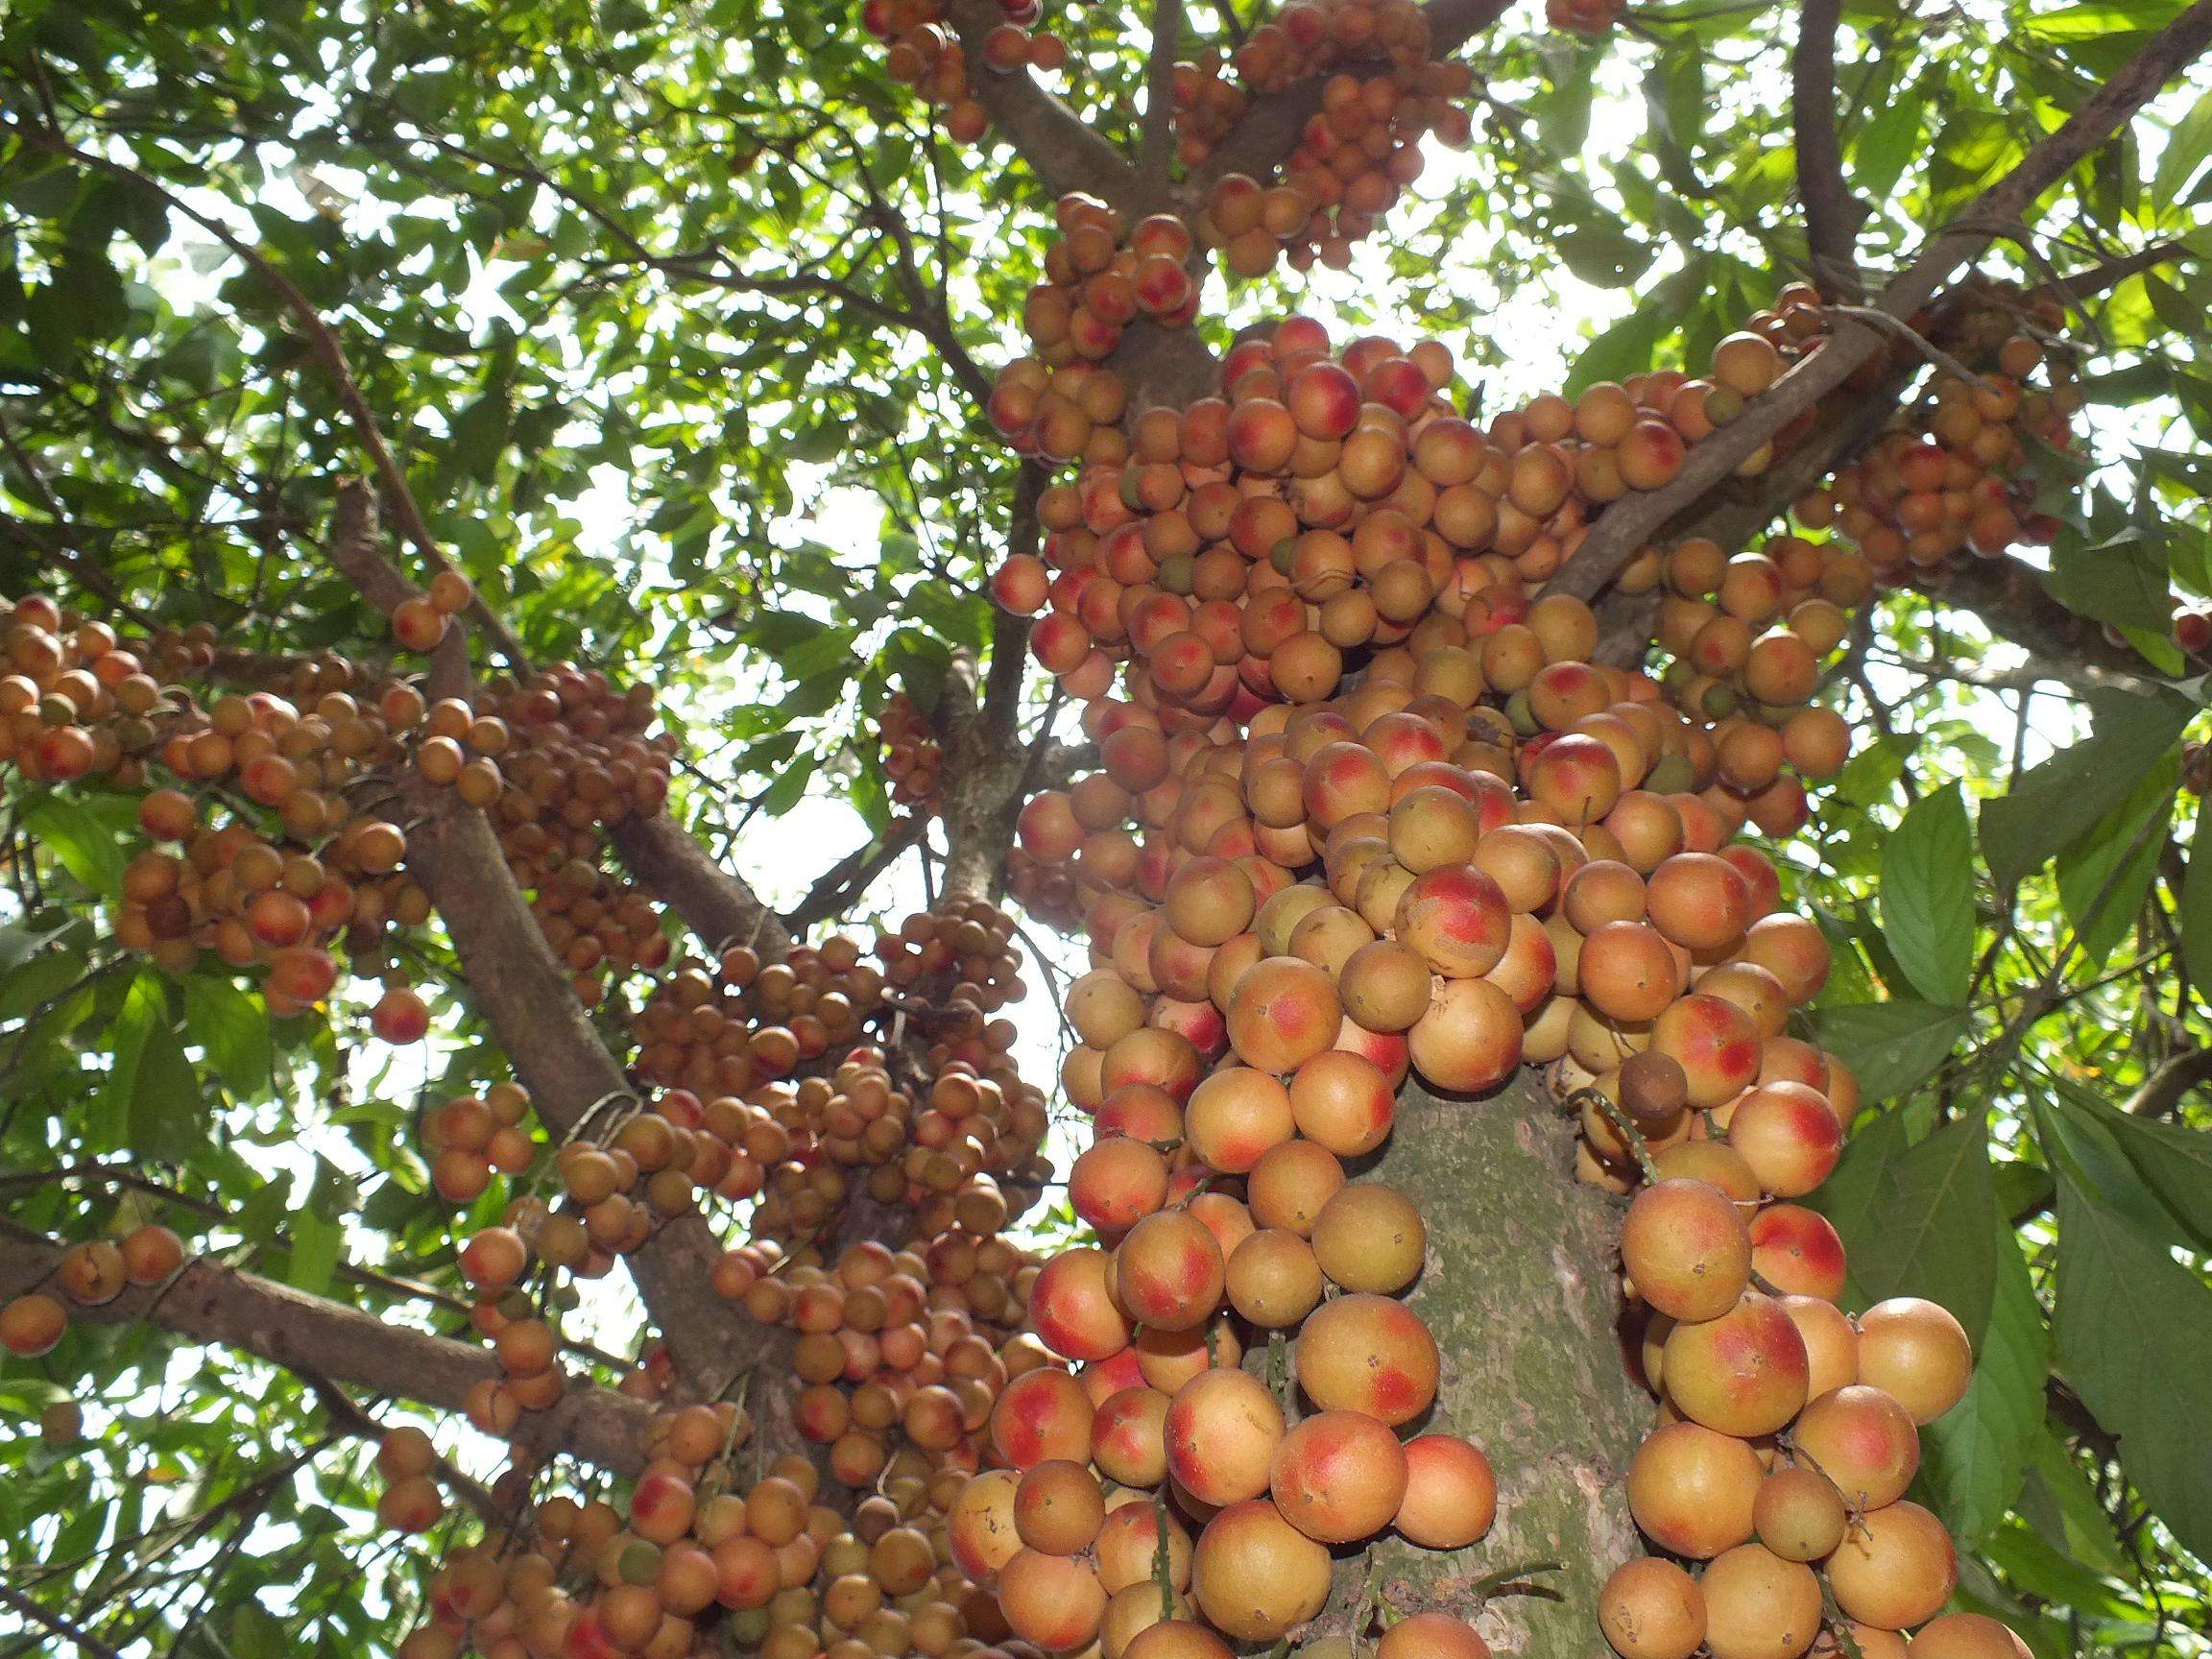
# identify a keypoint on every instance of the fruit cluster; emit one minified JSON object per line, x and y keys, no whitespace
{"x":1349,"y":167}
{"x":912,"y":756}
{"x":923,"y":50}
{"x":750,"y":1021}
{"x":916,"y":1343}
{"x":410,"y":1500}
{"x":1953,"y":474}
{"x":1224,"y":1216}
{"x":88,"y":1275}
{"x":1382,"y":94}
{"x":700,"y":1559}
{"x":901,"y":1354}
{"x":274,"y":845}
{"x":1392,"y":814}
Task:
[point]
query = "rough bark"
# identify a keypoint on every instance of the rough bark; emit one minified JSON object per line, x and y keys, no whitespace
{"x":1522,"y":1290}
{"x":988,"y":771}
{"x":718,"y":908}
{"x":1833,"y":215}
{"x":326,"y":1339}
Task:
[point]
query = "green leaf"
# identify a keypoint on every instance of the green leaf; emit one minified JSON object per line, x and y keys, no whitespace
{"x":2135,"y":1341}
{"x":2187,"y":146}
{"x":2059,"y":1502}
{"x":168,"y":1108}
{"x":1892,"y":1048}
{"x":1975,"y":1455}
{"x":2052,"y":805}
{"x":44,"y":977}
{"x":314,"y":1255}
{"x":232,"y":1028}
{"x":142,"y":1008}
{"x":2104,"y":875}
{"x":1623,"y":350}
{"x":2173,"y":1160}
{"x":2122,"y":581}
{"x":2070,"y":1125}
{"x":1915,"y":1220}
{"x":1887,"y":143}
{"x":785,"y":791}
{"x":2196,"y":909}
{"x":1927,"y":896}
{"x":75,"y":835}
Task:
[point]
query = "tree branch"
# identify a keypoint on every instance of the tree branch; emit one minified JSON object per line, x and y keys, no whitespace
{"x":2011,"y":601}
{"x":318,"y":1338}
{"x":721,"y":908}
{"x":1060,"y":147}
{"x":1159,"y":155}
{"x":855,"y":873}
{"x":2108,"y":274}
{"x":2162,"y":1092}
{"x":48,"y":1620}
{"x":1633,"y":520}
{"x":980,"y":782}
{"x":347,"y":1414}
{"x":1833,"y":215}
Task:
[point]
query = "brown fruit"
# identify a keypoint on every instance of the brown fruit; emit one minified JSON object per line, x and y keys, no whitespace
{"x":1651,"y":1609}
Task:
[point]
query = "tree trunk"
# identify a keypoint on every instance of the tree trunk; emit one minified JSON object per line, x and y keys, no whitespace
{"x":1522,"y":1291}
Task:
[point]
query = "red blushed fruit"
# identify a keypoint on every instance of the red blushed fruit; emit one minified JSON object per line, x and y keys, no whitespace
{"x":1337,"y":1476}
{"x":1470,"y":1039}
{"x":1343,"y":778}
{"x":1797,"y":1252}
{"x":1715,"y":1042}
{"x":1457,"y":918}
{"x":1143,"y":1113}
{"x":1788,"y":1134}
{"x":1651,"y":455}
{"x":302,"y":974}
{"x":1450,"y":1493}
{"x":276,"y":918}
{"x":1102,"y":1379}
{"x":1169,"y":1271}
{"x":1072,"y":1309}
{"x":1128,"y":1438}
{"x":1387,"y":1051}
{"x":1221,"y":1432}
{"x":1042,"y":1414}
{"x":417,"y":624}
{"x":1301,"y":337}
{"x":401,"y":1017}
{"x":1398,"y":383}
{"x":661,"y":1508}
{"x":981,"y":1530}
{"x":1020,"y":585}
{"x":1262,"y":436}
{"x":1116,"y":1182}
{"x":1162,"y":285}
{"x":1284,"y":1011}
{"x":32,"y":1325}
{"x":1743,"y":1374}
{"x":1324,"y":400}
{"x":1371,"y":1354}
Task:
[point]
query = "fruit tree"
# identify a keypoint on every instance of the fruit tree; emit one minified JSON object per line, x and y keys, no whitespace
{"x":988,"y":828}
